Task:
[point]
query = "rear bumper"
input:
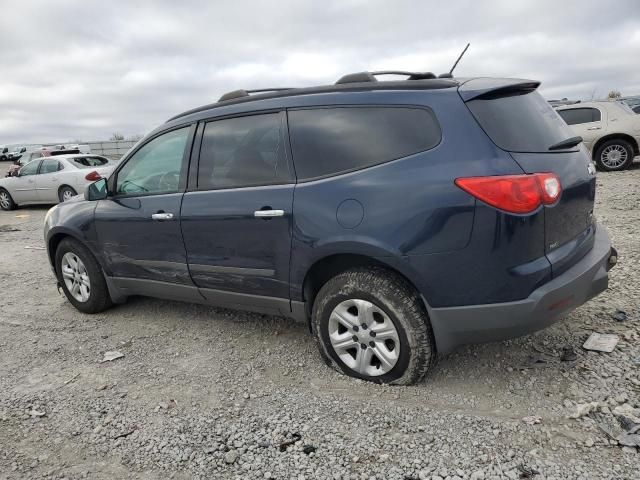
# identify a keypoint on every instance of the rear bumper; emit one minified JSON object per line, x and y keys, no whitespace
{"x":455,"y":326}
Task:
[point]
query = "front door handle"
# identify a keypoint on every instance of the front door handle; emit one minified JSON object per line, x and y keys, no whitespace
{"x":162,"y":216}
{"x":268,"y":213}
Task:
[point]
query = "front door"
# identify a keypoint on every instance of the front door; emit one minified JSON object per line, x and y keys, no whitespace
{"x":236,"y":221}
{"x":138,"y":225}
{"x":23,"y":187}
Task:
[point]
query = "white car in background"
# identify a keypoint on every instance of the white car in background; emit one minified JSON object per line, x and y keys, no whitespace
{"x":610,"y":130}
{"x":52,"y":179}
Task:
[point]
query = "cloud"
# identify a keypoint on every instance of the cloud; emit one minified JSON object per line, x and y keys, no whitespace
{"x":77,"y":69}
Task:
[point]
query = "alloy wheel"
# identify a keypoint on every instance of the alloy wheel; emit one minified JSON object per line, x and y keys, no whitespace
{"x":614,"y":156}
{"x":364,"y":337}
{"x":5,"y":201}
{"x":67,"y":194}
{"x":75,"y":277}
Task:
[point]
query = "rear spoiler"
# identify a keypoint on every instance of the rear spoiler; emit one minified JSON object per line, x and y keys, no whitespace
{"x":487,"y":88}
{"x":73,"y":151}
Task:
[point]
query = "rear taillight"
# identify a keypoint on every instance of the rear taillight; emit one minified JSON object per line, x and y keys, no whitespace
{"x":92,"y":176}
{"x":514,"y":193}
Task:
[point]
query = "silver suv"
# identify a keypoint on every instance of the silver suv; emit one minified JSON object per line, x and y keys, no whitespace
{"x":609,"y":129}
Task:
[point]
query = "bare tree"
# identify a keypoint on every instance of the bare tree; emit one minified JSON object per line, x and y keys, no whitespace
{"x":117,"y":136}
{"x":135,"y":138}
{"x":614,"y":94}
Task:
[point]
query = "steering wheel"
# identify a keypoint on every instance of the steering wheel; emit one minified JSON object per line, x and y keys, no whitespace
{"x":169,"y":181}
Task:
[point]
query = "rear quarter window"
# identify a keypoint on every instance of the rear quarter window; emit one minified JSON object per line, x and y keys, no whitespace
{"x":329,"y":141}
{"x":576,"y":116}
{"x":520,"y":121}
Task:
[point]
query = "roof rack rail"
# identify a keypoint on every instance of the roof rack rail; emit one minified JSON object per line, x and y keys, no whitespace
{"x":371,"y":76}
{"x":245,"y":93}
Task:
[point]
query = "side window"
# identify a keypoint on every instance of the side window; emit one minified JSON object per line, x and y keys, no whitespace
{"x":49,"y":166}
{"x":243,"y":151}
{"x":30,"y":168}
{"x":328,"y":141}
{"x":156,"y":167}
{"x":576,"y":116}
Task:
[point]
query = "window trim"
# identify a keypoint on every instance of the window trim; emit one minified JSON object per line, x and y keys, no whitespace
{"x":112,"y":181}
{"x":284,"y":133}
{"x":362,"y":105}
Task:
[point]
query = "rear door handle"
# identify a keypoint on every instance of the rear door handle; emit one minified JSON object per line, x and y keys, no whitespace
{"x":268,"y":213}
{"x":594,"y":128}
{"x":162,"y":216}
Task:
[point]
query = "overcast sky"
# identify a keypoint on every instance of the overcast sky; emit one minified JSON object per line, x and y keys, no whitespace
{"x":77,"y":69}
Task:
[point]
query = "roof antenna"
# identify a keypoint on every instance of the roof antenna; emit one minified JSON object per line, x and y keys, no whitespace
{"x":456,"y":64}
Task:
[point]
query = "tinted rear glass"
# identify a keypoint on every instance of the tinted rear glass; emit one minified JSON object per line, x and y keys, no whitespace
{"x":521,"y":122}
{"x":575,"y":116}
{"x":89,"y":162}
{"x":328,"y":141}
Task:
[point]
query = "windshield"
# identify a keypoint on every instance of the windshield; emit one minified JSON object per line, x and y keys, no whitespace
{"x":520,"y":122}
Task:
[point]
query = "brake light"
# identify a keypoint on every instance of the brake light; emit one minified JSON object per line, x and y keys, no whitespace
{"x":514,"y":193}
{"x":93,"y":176}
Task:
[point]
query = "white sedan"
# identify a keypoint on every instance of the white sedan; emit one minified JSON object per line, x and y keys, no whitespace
{"x":52,"y":179}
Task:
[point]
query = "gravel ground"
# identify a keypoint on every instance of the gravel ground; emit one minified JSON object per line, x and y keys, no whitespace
{"x":209,"y":393}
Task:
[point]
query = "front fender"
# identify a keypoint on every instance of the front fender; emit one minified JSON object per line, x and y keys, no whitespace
{"x":71,"y":219}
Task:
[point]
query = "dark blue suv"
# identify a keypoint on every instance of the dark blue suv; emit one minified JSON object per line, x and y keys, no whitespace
{"x":398,"y":218}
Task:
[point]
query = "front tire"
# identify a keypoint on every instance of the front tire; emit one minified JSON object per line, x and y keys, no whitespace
{"x":6,"y":202}
{"x":66,"y":193}
{"x":371,"y":324}
{"x":81,"y":277}
{"x":614,"y":155}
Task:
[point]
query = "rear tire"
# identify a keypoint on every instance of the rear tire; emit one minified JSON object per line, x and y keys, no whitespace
{"x":6,"y":201}
{"x":614,"y":155}
{"x":371,"y":324}
{"x":80,"y":275}
{"x":65,"y":193}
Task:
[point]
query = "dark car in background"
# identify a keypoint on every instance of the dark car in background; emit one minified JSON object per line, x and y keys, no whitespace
{"x":397,"y":218}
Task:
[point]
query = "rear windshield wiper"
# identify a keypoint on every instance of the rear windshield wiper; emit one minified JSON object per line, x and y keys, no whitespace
{"x":568,"y":143}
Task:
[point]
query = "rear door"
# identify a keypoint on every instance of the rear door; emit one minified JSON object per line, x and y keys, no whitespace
{"x":48,"y":180}
{"x":236,"y":216}
{"x":521,"y":122}
{"x":585,"y":121}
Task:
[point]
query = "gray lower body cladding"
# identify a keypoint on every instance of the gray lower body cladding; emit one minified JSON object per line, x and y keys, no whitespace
{"x":455,"y":326}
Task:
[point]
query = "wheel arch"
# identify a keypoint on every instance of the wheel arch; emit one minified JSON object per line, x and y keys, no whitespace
{"x":55,"y":237}
{"x":53,"y":241}
{"x":327,"y":267}
{"x":67,"y":186}
{"x":614,"y":136}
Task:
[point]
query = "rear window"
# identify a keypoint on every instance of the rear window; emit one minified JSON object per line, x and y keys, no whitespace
{"x":520,"y":122}
{"x":576,"y":116}
{"x":328,"y":141}
{"x":89,"y":162}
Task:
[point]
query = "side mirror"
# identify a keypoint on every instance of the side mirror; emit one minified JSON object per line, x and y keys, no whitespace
{"x":97,"y":190}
